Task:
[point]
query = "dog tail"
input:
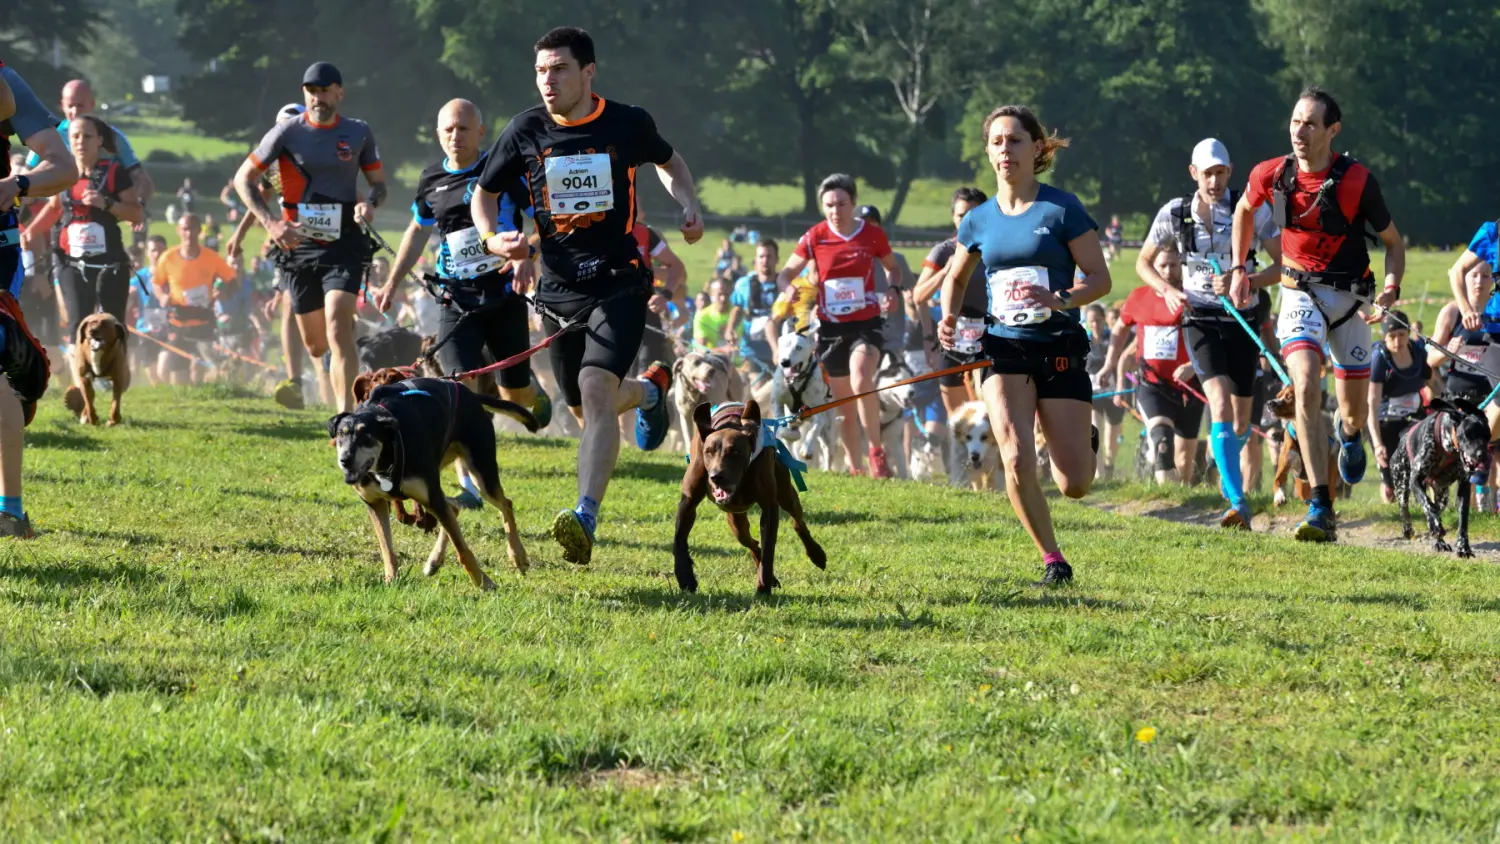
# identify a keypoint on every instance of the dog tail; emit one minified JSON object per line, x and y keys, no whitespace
{"x":73,"y":399}
{"x":502,"y":407}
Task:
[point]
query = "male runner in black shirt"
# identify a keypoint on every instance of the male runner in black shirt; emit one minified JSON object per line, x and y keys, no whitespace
{"x":578,"y":154}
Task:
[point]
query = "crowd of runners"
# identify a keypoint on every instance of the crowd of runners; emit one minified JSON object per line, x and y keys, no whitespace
{"x":523,"y":233}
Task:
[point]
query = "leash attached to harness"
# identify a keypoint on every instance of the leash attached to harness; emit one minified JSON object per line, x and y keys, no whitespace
{"x":168,"y":346}
{"x":1286,"y":381}
{"x":578,"y":320}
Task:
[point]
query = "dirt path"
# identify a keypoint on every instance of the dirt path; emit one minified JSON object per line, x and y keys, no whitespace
{"x":1366,"y":533}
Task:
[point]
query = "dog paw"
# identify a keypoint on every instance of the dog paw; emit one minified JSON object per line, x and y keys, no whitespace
{"x":1465,"y":552}
{"x":765,"y":588}
{"x":687,"y":581}
{"x":1280,"y":498}
{"x":1440,"y":545}
{"x":818,"y":556}
{"x":1407,"y":533}
{"x":432,"y":566}
{"x":519,"y":560}
{"x":485,"y":583}
{"x":111,"y":423}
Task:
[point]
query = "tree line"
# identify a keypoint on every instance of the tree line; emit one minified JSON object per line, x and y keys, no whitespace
{"x":785,"y":91}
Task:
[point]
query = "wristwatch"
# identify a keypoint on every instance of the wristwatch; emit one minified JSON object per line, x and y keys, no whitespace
{"x":1065,"y":296}
{"x":23,"y":185}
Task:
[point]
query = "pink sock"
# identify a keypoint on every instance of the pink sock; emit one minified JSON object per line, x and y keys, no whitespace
{"x":1052,"y":557}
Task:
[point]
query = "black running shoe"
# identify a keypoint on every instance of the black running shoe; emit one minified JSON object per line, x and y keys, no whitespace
{"x":1056,"y":574}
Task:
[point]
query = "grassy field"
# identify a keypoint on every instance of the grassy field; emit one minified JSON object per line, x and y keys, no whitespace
{"x":199,"y":646}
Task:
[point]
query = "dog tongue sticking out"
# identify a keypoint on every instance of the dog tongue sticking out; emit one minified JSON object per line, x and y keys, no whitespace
{"x":719,"y":493}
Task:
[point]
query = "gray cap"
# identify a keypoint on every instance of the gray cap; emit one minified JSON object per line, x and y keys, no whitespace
{"x":322,"y":74}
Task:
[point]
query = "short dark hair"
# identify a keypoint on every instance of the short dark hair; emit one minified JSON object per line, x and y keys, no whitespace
{"x":1331,"y":112}
{"x":578,"y":42}
{"x":971,"y":195}
{"x":769,"y":243}
{"x":839,"y":181}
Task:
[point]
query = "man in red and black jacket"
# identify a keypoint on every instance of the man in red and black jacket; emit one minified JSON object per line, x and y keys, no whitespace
{"x":1324,"y":202}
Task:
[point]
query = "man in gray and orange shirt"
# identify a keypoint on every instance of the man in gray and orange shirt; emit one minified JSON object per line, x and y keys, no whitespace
{"x":320,"y":227}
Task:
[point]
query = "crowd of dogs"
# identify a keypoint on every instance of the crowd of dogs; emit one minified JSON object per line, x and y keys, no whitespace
{"x":412,"y":424}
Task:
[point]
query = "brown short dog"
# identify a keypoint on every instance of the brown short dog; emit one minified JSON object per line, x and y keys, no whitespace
{"x":729,"y":464}
{"x":100,"y":351}
{"x":1289,"y":464}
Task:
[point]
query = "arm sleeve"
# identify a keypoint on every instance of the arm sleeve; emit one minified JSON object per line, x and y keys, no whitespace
{"x":1163,"y":227}
{"x":967,"y":236}
{"x":938,"y":256}
{"x":125,"y":153}
{"x":1127,"y":312}
{"x":653,"y":148}
{"x":504,"y":166}
{"x":1258,"y":188}
{"x":369,"y":153}
{"x":654,"y":243}
{"x":31,"y":116}
{"x":422,"y":213}
{"x":1372,"y":205}
{"x":1076,"y":221}
{"x":270,"y":147}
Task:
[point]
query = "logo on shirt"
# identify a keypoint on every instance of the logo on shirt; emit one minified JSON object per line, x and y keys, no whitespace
{"x":345,"y":151}
{"x":1043,"y":230}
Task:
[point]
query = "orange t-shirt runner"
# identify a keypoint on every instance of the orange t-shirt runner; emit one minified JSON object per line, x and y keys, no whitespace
{"x":190,"y":285}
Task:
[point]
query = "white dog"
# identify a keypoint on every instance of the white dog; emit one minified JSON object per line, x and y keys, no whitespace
{"x":800,"y":382}
{"x":975,"y":462}
{"x":895,"y":411}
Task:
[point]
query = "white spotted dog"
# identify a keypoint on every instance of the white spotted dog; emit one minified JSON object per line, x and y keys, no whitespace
{"x":801,"y":382}
{"x":895,"y":410}
{"x":975,"y":461}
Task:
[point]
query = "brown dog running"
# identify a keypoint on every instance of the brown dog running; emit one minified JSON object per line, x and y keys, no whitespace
{"x":100,"y":351}
{"x":1289,"y":463}
{"x":729,"y":463}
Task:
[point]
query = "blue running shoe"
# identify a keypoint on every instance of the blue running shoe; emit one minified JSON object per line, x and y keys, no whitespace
{"x":651,"y":426}
{"x":1351,"y":458}
{"x":467,"y":500}
{"x":576,"y":539}
{"x":1318,"y":526}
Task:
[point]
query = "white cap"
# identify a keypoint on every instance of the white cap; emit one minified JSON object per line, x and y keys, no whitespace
{"x":1209,"y":153}
{"x":289,"y":111}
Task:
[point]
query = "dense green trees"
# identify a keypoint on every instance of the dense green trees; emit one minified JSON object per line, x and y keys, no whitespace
{"x":784,"y":91}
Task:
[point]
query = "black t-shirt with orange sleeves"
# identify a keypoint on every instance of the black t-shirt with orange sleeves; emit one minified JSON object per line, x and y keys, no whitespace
{"x":1303,"y":243}
{"x":581,"y":176}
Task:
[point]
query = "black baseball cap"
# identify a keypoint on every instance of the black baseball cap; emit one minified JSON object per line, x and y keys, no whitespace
{"x":322,"y":74}
{"x":869,"y":212}
{"x":1395,"y":321}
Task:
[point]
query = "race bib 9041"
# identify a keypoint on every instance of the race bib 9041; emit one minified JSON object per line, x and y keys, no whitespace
{"x":580,"y":184}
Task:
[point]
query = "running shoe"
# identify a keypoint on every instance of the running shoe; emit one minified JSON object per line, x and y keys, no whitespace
{"x":1318,"y":526}
{"x":1236,"y":518}
{"x":1056,"y":574}
{"x":467,"y":500}
{"x":289,"y":395}
{"x":878,"y":466}
{"x":651,"y":426}
{"x":1351,"y":458}
{"x":576,"y":540}
{"x":541,"y":407}
{"x":12,"y":527}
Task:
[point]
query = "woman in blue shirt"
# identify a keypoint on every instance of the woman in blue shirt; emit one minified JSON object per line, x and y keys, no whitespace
{"x":1030,"y":239}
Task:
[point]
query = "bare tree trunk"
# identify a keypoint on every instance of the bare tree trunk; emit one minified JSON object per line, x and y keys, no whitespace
{"x":906,"y":173}
{"x":807,"y":139}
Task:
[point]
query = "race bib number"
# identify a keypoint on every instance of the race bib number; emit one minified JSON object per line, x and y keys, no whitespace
{"x":1009,"y":295}
{"x":85,"y":239}
{"x":1159,"y":342}
{"x":967,"y":336}
{"x":467,"y":257}
{"x":1198,"y":277}
{"x":1472,"y":353}
{"x":1300,"y":318}
{"x":580,"y":184}
{"x":321,"y":222}
{"x":843,"y":296}
{"x":1400,"y":407}
{"x":196,"y":297}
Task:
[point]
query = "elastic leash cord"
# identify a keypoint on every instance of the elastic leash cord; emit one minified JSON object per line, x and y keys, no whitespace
{"x":169,"y":347}
{"x":578,"y":320}
{"x":808,"y":412}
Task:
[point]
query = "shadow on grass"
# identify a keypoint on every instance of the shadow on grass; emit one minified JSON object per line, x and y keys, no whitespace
{"x":716,"y":601}
{"x":261,"y":546}
{"x":81,"y":574}
{"x":650,"y":472}
{"x":286,"y":431}
{"x":1402,"y":600}
{"x":63,"y":440}
{"x":115,"y":537}
{"x":99,"y":677}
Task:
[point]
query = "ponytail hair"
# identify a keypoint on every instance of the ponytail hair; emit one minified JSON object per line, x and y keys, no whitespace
{"x":1049,"y":144}
{"x":106,"y":134}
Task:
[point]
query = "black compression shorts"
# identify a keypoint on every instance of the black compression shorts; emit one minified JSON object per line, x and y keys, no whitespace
{"x":616,"y":324}
{"x":1184,"y":411}
{"x":1223,"y":349}
{"x":84,"y":288}
{"x":1056,"y":365}
{"x":309,"y":284}
{"x":837,"y":341}
{"x":499,"y":325}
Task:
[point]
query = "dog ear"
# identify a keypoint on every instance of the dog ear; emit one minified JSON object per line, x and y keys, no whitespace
{"x":385,"y":420}
{"x":1438,"y":405}
{"x":751,"y":415}
{"x":703,"y":420}
{"x":1468,"y":407}
{"x":333,"y":425}
{"x":677,"y":367}
{"x":362,"y":387}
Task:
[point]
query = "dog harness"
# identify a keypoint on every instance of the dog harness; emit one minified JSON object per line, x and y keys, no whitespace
{"x":732,"y":413}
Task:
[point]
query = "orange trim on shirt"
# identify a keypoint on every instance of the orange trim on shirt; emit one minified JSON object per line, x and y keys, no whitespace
{"x":930,"y":265}
{"x":630,"y":220}
{"x":255,"y":159}
{"x":337,"y":118}
{"x":370,"y":168}
{"x":598,"y":110}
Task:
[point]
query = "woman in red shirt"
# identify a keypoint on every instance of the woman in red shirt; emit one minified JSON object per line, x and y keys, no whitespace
{"x":844,"y":250}
{"x":1171,"y":412}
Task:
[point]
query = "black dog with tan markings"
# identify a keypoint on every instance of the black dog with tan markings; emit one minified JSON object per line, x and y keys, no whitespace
{"x":395,"y":446}
{"x":1448,"y":446}
{"x":731,"y":463}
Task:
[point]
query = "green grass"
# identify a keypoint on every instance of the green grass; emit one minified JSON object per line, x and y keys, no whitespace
{"x":929,"y":204}
{"x":200,"y":646}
